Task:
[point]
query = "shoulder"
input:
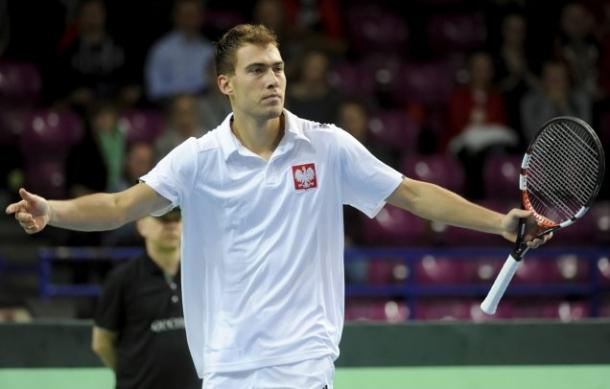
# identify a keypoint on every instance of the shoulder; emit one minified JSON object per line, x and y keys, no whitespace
{"x":123,"y":274}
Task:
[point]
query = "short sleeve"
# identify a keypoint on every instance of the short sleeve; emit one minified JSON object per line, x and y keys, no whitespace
{"x":110,"y":312}
{"x":366,"y":182}
{"x":173,"y":176}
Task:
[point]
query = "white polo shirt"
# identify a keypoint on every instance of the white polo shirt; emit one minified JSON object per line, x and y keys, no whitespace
{"x":262,"y":250}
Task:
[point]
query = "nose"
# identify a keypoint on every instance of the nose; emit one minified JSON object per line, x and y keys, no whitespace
{"x":272,"y":80}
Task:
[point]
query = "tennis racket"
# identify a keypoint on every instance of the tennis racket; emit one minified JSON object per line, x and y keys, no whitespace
{"x":561,"y":174}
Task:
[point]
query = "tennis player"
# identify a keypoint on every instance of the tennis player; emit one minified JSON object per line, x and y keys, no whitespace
{"x":261,"y":199}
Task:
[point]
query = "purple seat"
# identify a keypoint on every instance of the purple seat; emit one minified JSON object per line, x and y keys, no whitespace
{"x":438,"y":169}
{"x":141,"y":126}
{"x":535,"y":270}
{"x":11,"y":126}
{"x":395,"y":130}
{"x":374,"y":29}
{"x":456,"y":32}
{"x":551,"y":309}
{"x":49,"y":134}
{"x":604,"y":310}
{"x":603,"y":266}
{"x":386,"y":271}
{"x":600,"y":214}
{"x":376,"y":310}
{"x":353,"y":79}
{"x":46,"y":178}
{"x":443,"y":309}
{"x":20,"y":84}
{"x":501,"y":176}
{"x":393,"y":226}
{"x":442,"y":271}
{"x":427,"y":83}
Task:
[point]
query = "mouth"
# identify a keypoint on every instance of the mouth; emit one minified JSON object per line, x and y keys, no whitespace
{"x":274,"y":98}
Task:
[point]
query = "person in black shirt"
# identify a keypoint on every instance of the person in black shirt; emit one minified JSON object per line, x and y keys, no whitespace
{"x":139,"y":326}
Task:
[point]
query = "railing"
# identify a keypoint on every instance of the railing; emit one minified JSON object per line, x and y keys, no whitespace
{"x":409,"y":290}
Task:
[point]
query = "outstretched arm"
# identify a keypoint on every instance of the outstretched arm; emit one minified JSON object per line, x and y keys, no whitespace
{"x":432,"y":202}
{"x":96,"y":212}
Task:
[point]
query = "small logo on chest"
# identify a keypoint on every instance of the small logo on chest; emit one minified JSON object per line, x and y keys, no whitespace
{"x":304,"y":176}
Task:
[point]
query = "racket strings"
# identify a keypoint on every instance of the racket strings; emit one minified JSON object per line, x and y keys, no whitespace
{"x":563,"y":171}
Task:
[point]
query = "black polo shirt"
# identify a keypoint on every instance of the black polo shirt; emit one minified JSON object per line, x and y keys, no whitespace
{"x":145,"y":309}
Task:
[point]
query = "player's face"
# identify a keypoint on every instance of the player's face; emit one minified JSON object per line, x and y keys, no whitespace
{"x":258,"y":86}
{"x":164,"y":235}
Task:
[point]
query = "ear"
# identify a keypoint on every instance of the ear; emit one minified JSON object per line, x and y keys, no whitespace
{"x":224,"y":84}
{"x":141,"y":226}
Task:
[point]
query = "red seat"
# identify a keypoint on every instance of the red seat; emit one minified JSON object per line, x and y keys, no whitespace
{"x":376,"y":310}
{"x":551,"y":309}
{"x":501,"y":176}
{"x":386,"y":271}
{"x":443,"y":309}
{"x":395,"y":130}
{"x":141,"y":126}
{"x":437,"y":168}
{"x":457,"y":32}
{"x":428,"y":83}
{"x":442,"y":271}
{"x":393,"y":226}
{"x":374,"y":29}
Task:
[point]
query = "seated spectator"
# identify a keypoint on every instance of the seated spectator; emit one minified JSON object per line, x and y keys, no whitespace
{"x":183,"y":123}
{"x":478,"y":122}
{"x":514,"y":73}
{"x":93,"y":66}
{"x":96,"y":163}
{"x":174,"y":63}
{"x":556,"y":98}
{"x":212,"y":105}
{"x":312,"y":96}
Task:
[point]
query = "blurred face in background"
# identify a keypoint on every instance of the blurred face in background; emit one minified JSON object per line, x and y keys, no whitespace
{"x":270,"y":13}
{"x":315,"y":68}
{"x":555,"y":79}
{"x":104,"y":120}
{"x":140,"y":160}
{"x":163,"y":233}
{"x":354,"y":119}
{"x":183,"y":115}
{"x":514,"y":30}
{"x":258,"y":85}
{"x":576,"y":21}
{"x":188,"y":17}
{"x":481,"y":70}
{"x":92,"y":17}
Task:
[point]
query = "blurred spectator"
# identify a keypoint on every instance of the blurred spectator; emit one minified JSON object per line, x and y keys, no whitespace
{"x":311,"y":95}
{"x":212,"y":105}
{"x":478,"y":121}
{"x":174,"y":63}
{"x":513,"y":68}
{"x":96,"y":164}
{"x":556,"y":98}
{"x":183,"y":122}
{"x":578,"y":46}
{"x":91,"y":65}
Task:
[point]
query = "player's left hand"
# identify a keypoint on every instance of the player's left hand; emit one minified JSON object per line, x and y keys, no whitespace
{"x":510,"y":224}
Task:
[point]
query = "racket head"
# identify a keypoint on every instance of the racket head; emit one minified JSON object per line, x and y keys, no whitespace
{"x":561,"y":172}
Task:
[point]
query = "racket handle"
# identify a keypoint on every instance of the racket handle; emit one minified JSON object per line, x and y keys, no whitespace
{"x":499,"y":286}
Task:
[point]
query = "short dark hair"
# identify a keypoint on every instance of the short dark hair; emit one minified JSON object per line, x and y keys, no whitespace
{"x":235,"y":38}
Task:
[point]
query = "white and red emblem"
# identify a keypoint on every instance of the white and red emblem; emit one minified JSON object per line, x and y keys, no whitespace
{"x":304,"y":176}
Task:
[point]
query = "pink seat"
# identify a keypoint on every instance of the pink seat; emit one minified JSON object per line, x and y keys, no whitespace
{"x":395,"y":130}
{"x":393,"y":226}
{"x":376,"y":310}
{"x":142,"y":126}
{"x":442,"y":271}
{"x":456,"y":32}
{"x":501,"y":176}
{"x":386,"y":271}
{"x":600,"y":214}
{"x":353,"y":79}
{"x":428,"y":83}
{"x":373,"y":29}
{"x":46,"y":178}
{"x":438,"y":169}
{"x":20,"y":84}
{"x":551,"y":309}
{"x":49,"y":134}
{"x":443,"y":309}
{"x":603,"y":266}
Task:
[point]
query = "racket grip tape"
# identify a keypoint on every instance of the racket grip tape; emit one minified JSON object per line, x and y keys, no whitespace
{"x":490,"y":304}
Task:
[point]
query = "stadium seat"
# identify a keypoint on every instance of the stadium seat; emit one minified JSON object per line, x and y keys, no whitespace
{"x":443,"y":309}
{"x":49,"y":134}
{"x":442,"y":271}
{"x":141,"y":126}
{"x":353,"y":79}
{"x":438,"y":169}
{"x":395,"y":130}
{"x":374,"y":29}
{"x":393,"y":226}
{"x":600,"y":214}
{"x":428,"y":83}
{"x":382,"y":271}
{"x":46,"y":178}
{"x":11,"y":126}
{"x":501,"y":176}
{"x":376,"y":310}
{"x":20,"y":84}
{"x":459,"y":32}
{"x":603,"y":266}
{"x":551,"y":309}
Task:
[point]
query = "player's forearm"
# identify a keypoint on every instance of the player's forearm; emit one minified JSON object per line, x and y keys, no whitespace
{"x":108,"y":356}
{"x":432,"y":202}
{"x":96,"y":212}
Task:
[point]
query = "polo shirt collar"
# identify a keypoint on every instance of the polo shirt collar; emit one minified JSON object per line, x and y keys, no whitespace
{"x":230,"y":144}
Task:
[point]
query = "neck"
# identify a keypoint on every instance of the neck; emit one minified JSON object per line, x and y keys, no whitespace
{"x":167,"y":259}
{"x":259,"y":136}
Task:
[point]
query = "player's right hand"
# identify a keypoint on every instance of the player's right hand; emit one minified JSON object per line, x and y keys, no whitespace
{"x":32,"y":212}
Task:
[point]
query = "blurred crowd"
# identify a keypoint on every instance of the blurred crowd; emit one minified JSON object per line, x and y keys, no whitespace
{"x":94,"y":92}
